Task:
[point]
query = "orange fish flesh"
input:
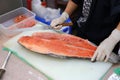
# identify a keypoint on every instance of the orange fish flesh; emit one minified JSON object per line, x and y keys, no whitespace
{"x":58,"y":44}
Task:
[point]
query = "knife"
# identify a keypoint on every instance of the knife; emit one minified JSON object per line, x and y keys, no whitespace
{"x":66,"y":24}
{"x":2,"y":69}
{"x":114,"y":58}
{"x":63,"y":24}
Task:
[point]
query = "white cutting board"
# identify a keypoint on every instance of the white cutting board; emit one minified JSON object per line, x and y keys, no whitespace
{"x":56,"y":68}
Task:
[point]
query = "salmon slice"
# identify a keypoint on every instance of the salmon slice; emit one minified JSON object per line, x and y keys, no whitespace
{"x":60,"y":46}
{"x":69,"y":39}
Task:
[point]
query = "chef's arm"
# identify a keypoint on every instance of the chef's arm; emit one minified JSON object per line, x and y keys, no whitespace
{"x":71,"y":6}
{"x":106,"y":47}
{"x":118,"y":27}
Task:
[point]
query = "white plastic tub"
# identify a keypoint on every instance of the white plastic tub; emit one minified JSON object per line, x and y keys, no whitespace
{"x":9,"y":27}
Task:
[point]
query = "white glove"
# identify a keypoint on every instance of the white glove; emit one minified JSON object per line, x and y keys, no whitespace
{"x":105,"y":48}
{"x":59,"y":20}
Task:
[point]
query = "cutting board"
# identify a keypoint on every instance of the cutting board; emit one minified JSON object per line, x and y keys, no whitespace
{"x":58,"y":68}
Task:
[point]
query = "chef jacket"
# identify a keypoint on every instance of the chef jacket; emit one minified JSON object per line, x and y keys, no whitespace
{"x":103,"y":18}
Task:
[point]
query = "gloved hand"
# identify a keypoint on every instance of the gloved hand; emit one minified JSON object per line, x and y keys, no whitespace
{"x":55,"y":22}
{"x":105,"y":48}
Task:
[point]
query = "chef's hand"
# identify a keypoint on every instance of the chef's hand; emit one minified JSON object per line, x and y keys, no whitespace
{"x":105,"y":48}
{"x":55,"y":22}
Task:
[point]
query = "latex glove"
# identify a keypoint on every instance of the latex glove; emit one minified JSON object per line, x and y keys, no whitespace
{"x":105,"y":48}
{"x":59,"y":20}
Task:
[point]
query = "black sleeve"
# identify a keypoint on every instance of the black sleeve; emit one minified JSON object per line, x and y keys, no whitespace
{"x":78,"y":2}
{"x":115,"y":8}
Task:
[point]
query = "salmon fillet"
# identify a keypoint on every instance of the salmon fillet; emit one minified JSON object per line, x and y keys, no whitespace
{"x":58,"y":44}
{"x":70,"y":39}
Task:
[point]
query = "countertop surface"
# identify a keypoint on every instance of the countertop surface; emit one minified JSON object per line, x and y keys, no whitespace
{"x":18,"y":70}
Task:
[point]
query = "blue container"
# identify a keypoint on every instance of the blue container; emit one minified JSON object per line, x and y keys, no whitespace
{"x":66,"y":29}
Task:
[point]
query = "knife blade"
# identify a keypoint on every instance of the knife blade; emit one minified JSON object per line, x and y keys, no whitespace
{"x":114,"y":58}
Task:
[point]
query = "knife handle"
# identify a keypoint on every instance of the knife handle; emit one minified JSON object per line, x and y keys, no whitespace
{"x":66,"y":24}
{"x":2,"y":71}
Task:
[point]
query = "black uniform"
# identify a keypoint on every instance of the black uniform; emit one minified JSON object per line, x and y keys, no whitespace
{"x":103,"y":18}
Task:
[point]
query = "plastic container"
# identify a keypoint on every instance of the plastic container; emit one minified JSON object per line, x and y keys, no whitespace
{"x":115,"y":75}
{"x":10,"y":27}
